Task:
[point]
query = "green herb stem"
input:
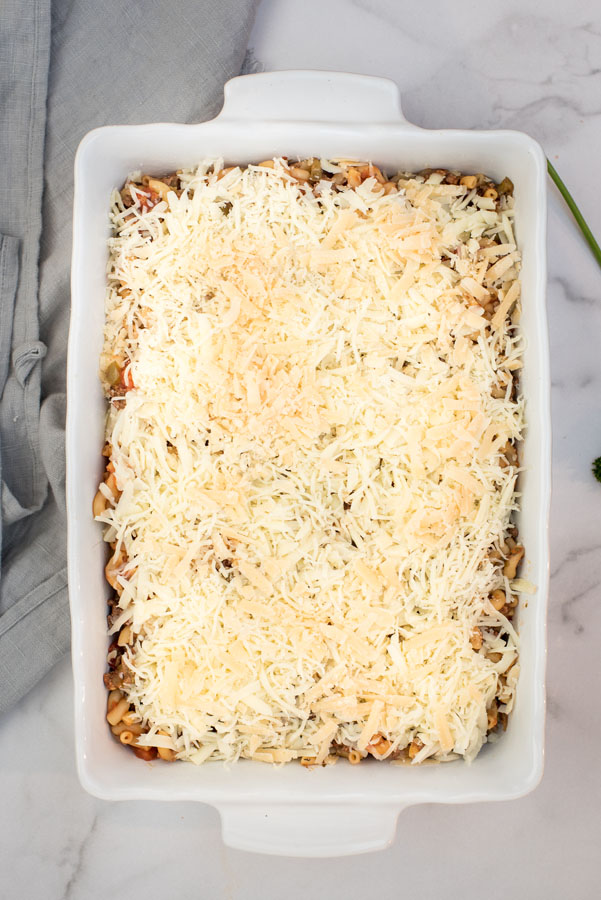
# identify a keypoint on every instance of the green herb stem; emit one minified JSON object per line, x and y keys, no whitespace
{"x":588,"y":234}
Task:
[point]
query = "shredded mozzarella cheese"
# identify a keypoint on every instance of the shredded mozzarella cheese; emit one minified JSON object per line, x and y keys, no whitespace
{"x":311,"y":462}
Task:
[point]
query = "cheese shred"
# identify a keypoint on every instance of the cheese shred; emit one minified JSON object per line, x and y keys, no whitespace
{"x":309,"y":461}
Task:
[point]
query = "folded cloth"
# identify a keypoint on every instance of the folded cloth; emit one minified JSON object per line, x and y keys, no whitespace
{"x":66,"y":68}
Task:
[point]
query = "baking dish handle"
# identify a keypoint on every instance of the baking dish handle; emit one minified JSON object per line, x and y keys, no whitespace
{"x":312,"y":96}
{"x":308,"y":829}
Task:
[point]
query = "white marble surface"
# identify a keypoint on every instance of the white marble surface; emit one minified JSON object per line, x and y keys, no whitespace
{"x":528,"y":65}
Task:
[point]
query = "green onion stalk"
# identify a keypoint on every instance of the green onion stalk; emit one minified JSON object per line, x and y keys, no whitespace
{"x":572,"y":206}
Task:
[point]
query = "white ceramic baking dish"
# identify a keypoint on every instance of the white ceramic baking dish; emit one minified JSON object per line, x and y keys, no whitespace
{"x":290,"y":810}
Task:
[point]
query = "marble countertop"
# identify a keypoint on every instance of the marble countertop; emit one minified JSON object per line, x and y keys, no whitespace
{"x":520,"y":64}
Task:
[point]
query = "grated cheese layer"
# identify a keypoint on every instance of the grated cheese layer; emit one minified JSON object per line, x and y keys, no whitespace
{"x":311,"y":463}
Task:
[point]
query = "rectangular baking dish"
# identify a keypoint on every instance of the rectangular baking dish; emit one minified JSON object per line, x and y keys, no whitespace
{"x":290,"y":810}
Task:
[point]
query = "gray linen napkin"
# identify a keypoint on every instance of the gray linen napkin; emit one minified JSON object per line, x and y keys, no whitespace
{"x":94,"y":63}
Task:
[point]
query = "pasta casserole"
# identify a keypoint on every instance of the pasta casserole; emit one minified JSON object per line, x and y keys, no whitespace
{"x":311,"y":462}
